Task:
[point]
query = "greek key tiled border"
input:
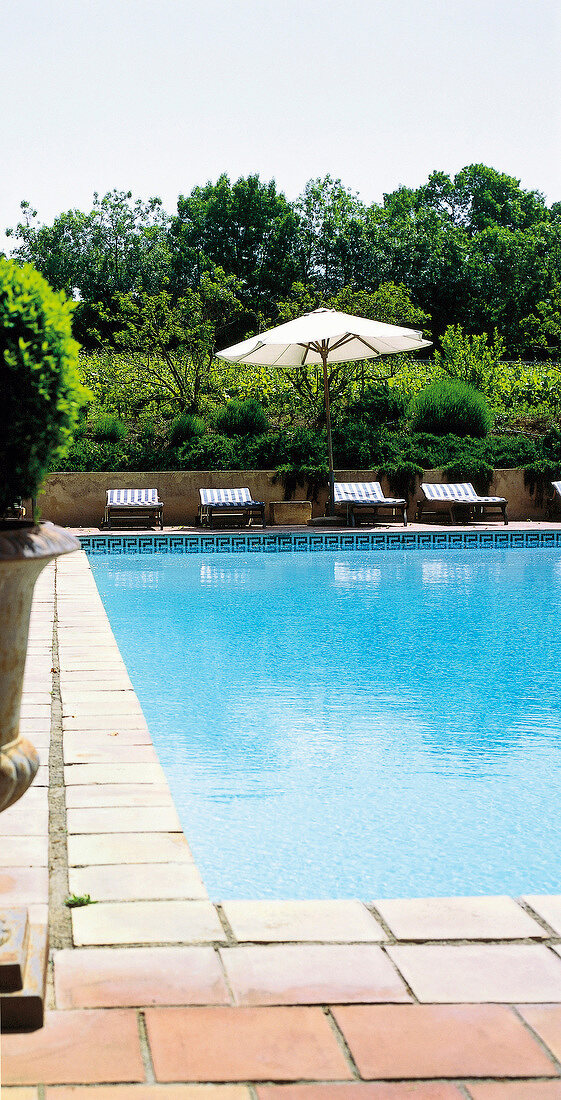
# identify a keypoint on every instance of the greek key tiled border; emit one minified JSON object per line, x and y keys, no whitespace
{"x":295,"y":542}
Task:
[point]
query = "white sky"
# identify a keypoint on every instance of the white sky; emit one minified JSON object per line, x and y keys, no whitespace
{"x":156,"y":96}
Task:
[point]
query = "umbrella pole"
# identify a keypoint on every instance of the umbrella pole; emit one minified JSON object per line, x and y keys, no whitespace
{"x":330,"y":502}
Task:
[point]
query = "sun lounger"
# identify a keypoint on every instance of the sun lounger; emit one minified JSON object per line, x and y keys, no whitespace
{"x":132,"y":504}
{"x":361,"y":498}
{"x":456,"y":499}
{"x":229,"y":502}
{"x":553,"y":502}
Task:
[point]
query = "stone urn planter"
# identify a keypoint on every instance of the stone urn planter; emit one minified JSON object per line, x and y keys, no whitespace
{"x":25,"y":549}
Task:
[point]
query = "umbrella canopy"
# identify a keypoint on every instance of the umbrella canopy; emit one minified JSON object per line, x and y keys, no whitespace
{"x":322,"y":336}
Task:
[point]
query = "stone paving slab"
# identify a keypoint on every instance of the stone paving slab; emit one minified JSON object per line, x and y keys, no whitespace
{"x":139,"y":976}
{"x":311,"y":974}
{"x":122,"y":794}
{"x":484,"y":918}
{"x":99,"y":848}
{"x":113,"y":773}
{"x":140,"y":922}
{"x":548,"y":907}
{"x":123,"y":819}
{"x":138,"y":881}
{"x":284,"y":921}
{"x":479,"y":972}
{"x":106,"y":753}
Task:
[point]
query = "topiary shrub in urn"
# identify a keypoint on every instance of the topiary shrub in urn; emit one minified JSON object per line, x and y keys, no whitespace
{"x":40,"y":393}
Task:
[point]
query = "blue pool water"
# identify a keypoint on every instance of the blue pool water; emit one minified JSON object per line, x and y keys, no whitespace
{"x":353,"y":724}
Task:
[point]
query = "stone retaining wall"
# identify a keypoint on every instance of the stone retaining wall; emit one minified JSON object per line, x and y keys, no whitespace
{"x":78,"y":499}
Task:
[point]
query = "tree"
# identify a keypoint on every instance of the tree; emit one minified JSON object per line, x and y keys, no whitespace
{"x":118,"y":247}
{"x":470,"y":359}
{"x":173,"y":342}
{"x":332,"y":241}
{"x":541,"y":329}
{"x":248,"y":228}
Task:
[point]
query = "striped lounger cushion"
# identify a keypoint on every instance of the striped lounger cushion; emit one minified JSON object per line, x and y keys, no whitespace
{"x":132,"y":498}
{"x":362,"y":492}
{"x":223,"y":498}
{"x":462,"y":491}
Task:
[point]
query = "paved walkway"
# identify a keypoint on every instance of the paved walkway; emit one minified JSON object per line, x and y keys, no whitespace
{"x":155,"y":991}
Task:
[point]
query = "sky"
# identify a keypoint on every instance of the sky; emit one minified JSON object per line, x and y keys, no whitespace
{"x":158,"y":96}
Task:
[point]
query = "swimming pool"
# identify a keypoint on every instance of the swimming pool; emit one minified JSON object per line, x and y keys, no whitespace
{"x":346,"y":724}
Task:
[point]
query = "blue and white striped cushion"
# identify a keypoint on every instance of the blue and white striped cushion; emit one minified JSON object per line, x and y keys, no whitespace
{"x":132,"y":498}
{"x":441,"y":491}
{"x":361,"y":492}
{"x":491,"y":500}
{"x":225,"y":496}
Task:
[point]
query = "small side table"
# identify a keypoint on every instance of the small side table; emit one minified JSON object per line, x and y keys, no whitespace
{"x":289,"y":512}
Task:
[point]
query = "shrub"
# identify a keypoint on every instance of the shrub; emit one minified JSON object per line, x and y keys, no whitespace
{"x":186,"y":429}
{"x":242,"y":418}
{"x":210,"y":452}
{"x":41,"y":390}
{"x":107,"y":428}
{"x":402,"y":477}
{"x":378,"y":405}
{"x":511,"y":452}
{"x":88,"y":454}
{"x":447,"y":407}
{"x":469,"y":467}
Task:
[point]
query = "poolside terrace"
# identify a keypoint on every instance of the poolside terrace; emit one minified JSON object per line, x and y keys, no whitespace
{"x":158,"y":990}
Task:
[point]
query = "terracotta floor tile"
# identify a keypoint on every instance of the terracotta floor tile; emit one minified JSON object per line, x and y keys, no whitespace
{"x":99,"y":848}
{"x":285,"y":921}
{"x":24,"y":851}
{"x":123,"y":819}
{"x":515,"y":1090}
{"x":408,"y":1041}
{"x":243,"y":1044}
{"x":548,"y":907}
{"x":122,"y":922}
{"x":138,"y":881}
{"x":362,"y":1090}
{"x":118,"y":794}
{"x":492,"y":918}
{"x":24,"y":885}
{"x":311,"y":974}
{"x":123,"y":977}
{"x":148,"y":1092}
{"x":75,"y":1048}
{"x":480,"y":972}
{"x":546,"y":1020}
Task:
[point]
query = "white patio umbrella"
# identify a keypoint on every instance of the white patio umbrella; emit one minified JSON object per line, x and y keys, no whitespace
{"x":324,"y":336}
